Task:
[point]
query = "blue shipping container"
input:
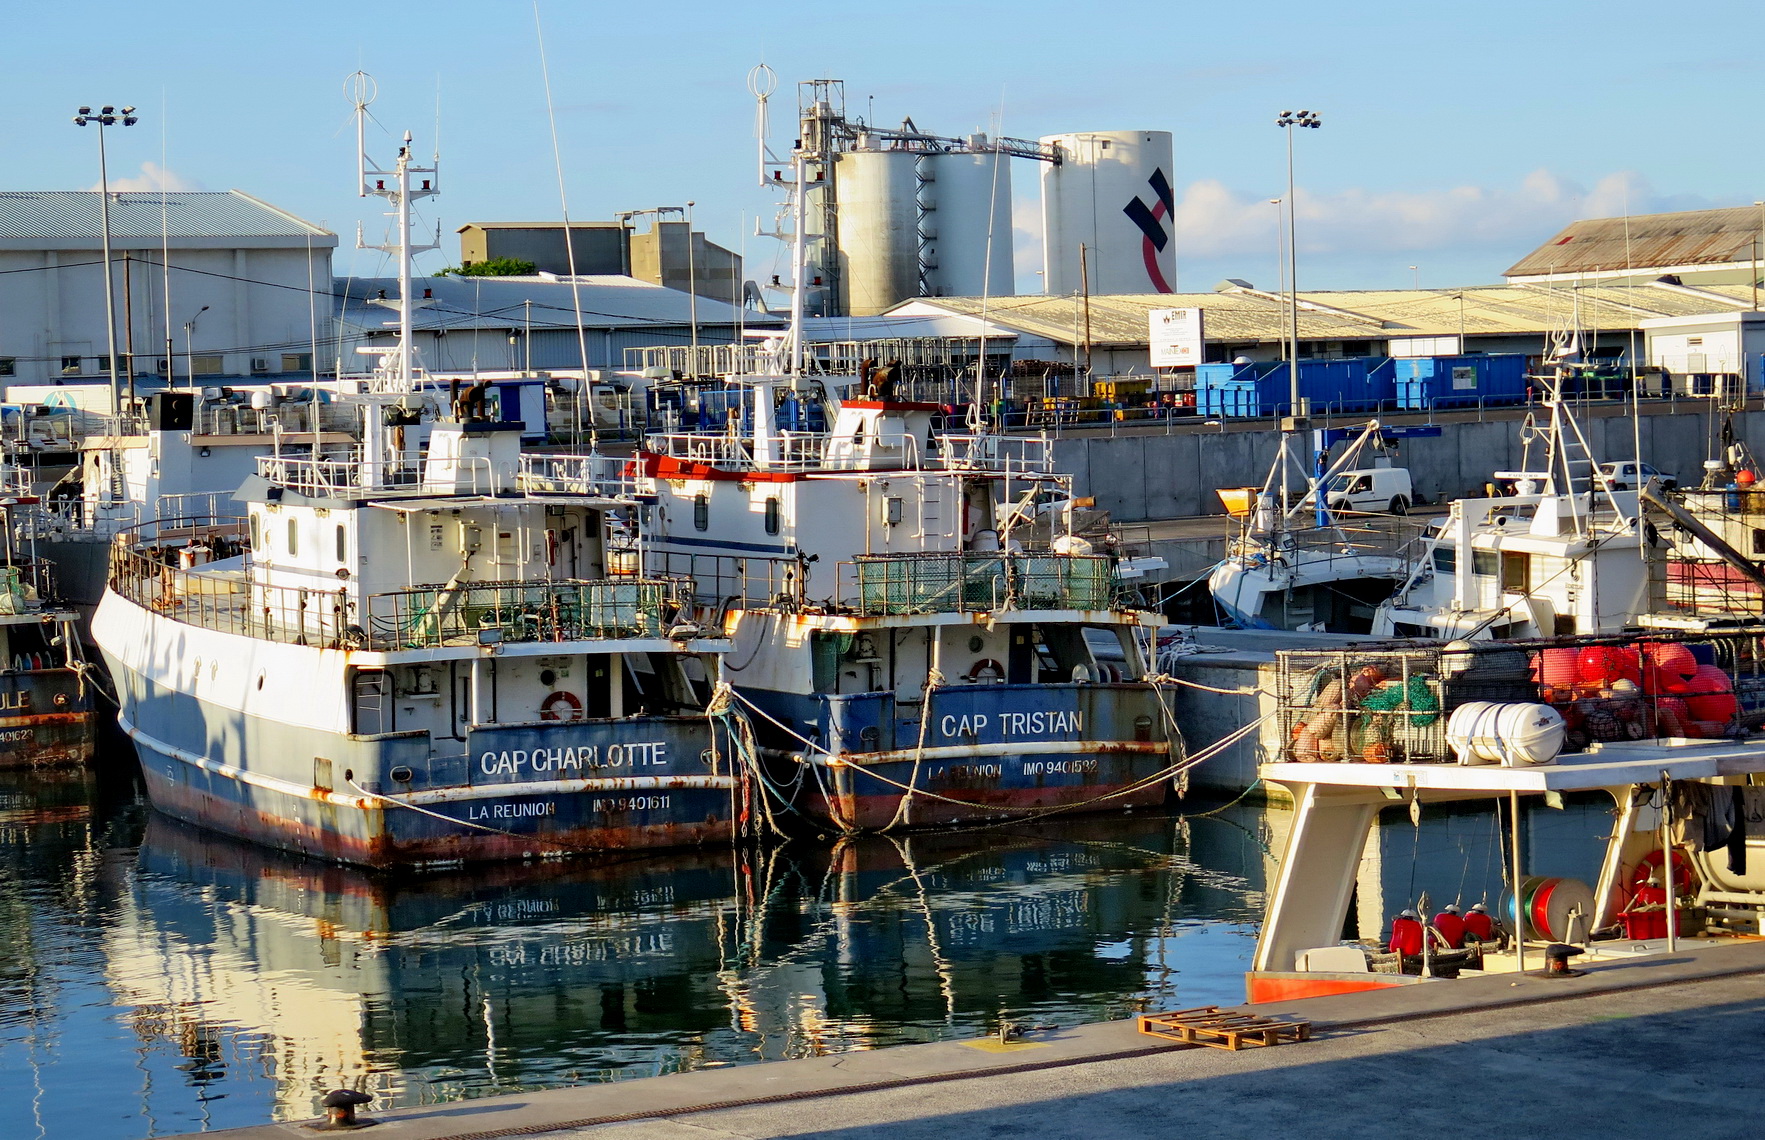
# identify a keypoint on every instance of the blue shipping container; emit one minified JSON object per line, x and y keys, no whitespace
{"x":1356,"y":384}
{"x":1426,"y":382}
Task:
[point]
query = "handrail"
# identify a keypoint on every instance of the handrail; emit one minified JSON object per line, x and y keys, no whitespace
{"x":979,"y":582}
{"x":161,"y":567}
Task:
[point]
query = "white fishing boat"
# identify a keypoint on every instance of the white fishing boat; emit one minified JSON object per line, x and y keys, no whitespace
{"x":1565,"y":553}
{"x":1427,"y":726}
{"x":1301,"y":567}
{"x":415,"y":651}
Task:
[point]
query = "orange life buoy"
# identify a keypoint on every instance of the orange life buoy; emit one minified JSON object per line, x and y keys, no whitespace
{"x":561,"y":705}
{"x":1650,"y":864}
{"x":987,"y":669}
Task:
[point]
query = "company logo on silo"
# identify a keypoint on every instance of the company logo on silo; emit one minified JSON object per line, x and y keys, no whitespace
{"x":1151,"y":221}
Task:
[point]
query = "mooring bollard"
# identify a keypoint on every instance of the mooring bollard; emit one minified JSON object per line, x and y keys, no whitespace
{"x":340,"y":1106}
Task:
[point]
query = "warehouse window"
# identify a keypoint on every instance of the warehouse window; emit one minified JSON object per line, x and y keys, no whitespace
{"x":70,"y":366}
{"x":297,"y":361}
{"x":209,"y":365}
{"x":8,"y":366}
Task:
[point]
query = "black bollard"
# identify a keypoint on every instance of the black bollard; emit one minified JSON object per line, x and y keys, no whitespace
{"x":340,"y":1106}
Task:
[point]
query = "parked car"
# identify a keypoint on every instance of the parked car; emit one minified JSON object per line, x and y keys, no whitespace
{"x":1627,"y":476}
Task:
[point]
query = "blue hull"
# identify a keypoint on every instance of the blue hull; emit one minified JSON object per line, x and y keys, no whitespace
{"x":987,"y":753}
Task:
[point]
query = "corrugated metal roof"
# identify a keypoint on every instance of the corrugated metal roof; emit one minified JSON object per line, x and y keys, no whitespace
{"x":76,"y":215}
{"x":1650,"y":241}
{"x":1256,"y":317}
{"x":1123,"y":320}
{"x":502,"y":303}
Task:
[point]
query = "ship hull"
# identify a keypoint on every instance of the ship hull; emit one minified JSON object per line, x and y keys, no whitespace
{"x":46,"y":719}
{"x":271,"y":771}
{"x":987,"y":753}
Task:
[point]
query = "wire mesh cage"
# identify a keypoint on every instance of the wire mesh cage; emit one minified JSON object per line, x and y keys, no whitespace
{"x":1392,"y":703}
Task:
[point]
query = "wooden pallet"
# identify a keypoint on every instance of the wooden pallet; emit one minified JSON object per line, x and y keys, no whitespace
{"x":1222,"y":1029}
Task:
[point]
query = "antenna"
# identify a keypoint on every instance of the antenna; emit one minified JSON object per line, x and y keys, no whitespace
{"x":762,"y":82}
{"x":362,"y":90}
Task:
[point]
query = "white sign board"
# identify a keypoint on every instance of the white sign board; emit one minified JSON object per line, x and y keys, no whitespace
{"x":1175,"y":337}
{"x":1464,"y":377}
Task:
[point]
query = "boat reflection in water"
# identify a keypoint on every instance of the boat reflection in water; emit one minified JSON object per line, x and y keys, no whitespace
{"x":261,"y":967}
{"x":184,"y":981}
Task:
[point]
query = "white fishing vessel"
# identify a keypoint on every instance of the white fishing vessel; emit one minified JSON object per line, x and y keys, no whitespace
{"x":1458,"y":724}
{"x":912,"y":646}
{"x":414,"y":651}
{"x":1300,"y":567}
{"x":1566,"y":553}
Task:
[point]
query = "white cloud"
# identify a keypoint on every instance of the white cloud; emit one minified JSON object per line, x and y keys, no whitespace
{"x":1215,"y":221}
{"x":152,"y":177}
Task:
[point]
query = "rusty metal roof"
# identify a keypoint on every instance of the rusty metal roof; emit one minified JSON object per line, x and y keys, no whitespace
{"x":1650,"y":241}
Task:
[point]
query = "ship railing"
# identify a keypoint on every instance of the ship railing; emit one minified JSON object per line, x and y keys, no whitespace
{"x":970,"y":582}
{"x":599,"y":475}
{"x":493,"y":613}
{"x":790,"y":450}
{"x":200,"y":504}
{"x":718,"y":583}
{"x":1699,"y":579}
{"x":163,"y":567}
{"x":347,"y":475}
{"x":1392,"y":702}
{"x":1011,"y":455}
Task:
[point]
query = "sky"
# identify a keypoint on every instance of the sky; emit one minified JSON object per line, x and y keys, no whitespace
{"x":1454,"y":138}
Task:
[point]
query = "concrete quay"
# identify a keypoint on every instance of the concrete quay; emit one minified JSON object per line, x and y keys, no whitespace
{"x":1659,"y":1046}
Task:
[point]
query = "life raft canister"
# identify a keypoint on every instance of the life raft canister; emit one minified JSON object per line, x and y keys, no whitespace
{"x":561,"y":705}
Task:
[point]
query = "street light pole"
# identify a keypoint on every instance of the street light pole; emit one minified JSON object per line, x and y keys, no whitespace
{"x":108,"y":117}
{"x":692,"y":288}
{"x":189,"y":355}
{"x":1287,"y":121}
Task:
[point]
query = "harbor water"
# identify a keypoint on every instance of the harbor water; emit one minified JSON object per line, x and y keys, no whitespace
{"x":161,"y":980}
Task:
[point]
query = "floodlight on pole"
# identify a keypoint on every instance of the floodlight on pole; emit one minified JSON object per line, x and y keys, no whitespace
{"x":108,"y":117}
{"x":1287,"y":120}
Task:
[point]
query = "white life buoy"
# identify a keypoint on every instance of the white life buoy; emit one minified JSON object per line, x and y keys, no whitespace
{"x":561,"y":705}
{"x":986,"y":670}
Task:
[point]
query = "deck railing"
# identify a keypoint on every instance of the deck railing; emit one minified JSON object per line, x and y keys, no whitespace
{"x":428,"y":617}
{"x":967,"y":582}
{"x":169,"y":577}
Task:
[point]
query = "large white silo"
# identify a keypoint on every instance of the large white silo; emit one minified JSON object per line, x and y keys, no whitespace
{"x":970,"y":193}
{"x":1111,"y":192}
{"x":877,"y":192}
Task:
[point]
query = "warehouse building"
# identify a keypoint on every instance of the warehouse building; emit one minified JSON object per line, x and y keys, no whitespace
{"x":1111,"y":333}
{"x":235,"y":285}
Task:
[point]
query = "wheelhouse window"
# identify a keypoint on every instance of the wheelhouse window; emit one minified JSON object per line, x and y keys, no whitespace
{"x":772,"y":519}
{"x":702,"y":513}
{"x":342,"y":544}
{"x":293,"y":537}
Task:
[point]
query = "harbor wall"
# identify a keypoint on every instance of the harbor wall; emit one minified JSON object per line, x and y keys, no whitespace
{"x":1209,"y":716}
{"x":1153,"y":475}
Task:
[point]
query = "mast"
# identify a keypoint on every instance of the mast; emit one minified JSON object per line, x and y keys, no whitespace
{"x":402,"y":185}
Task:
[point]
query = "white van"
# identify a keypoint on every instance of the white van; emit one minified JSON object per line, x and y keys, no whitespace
{"x":1370,"y":489}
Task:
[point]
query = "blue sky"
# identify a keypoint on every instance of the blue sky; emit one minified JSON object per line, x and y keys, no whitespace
{"x":1455,"y":138}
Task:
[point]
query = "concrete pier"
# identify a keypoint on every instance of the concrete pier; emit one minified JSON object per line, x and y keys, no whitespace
{"x":1660,"y":1046}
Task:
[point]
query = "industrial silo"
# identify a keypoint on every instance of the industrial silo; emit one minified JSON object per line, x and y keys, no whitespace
{"x":878,"y":233}
{"x":970,"y":198}
{"x":1111,"y":192}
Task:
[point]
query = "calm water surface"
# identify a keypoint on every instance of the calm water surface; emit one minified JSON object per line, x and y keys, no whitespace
{"x":159,"y":980}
